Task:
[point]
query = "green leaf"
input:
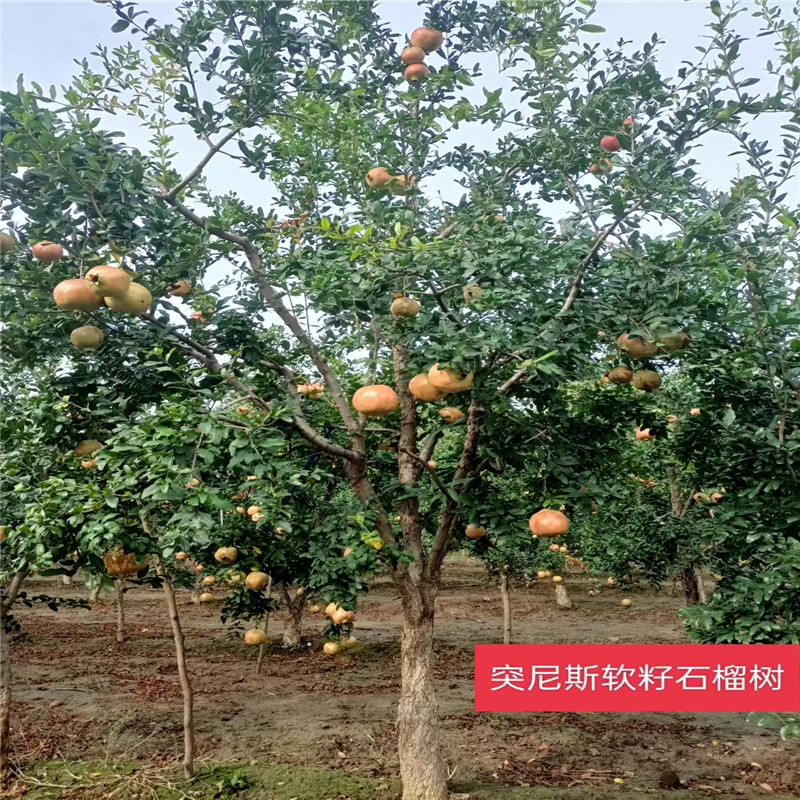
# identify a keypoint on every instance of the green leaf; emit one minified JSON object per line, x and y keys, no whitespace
{"x":593,"y":28}
{"x":120,"y":25}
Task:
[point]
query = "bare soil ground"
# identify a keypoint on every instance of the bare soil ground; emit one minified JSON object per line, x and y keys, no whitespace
{"x":79,"y":696}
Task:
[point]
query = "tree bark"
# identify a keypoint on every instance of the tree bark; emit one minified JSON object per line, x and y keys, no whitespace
{"x":183,"y":674}
{"x":562,"y":598}
{"x":422,"y":768}
{"x":701,"y":589}
{"x":9,"y":596}
{"x":506,"y":607}
{"x":94,"y":593}
{"x":691,"y":591}
{"x":262,"y":648}
{"x":293,"y":627}
{"x":119,"y":589}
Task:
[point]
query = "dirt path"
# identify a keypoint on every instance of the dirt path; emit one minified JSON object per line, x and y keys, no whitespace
{"x":80,"y":695}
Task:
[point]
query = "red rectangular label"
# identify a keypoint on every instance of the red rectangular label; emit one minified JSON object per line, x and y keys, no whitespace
{"x":637,"y":677}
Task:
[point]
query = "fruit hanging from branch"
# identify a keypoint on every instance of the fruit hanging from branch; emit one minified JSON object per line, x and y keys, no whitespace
{"x":620,"y":375}
{"x":450,"y":414}
{"x":89,"y":464}
{"x":47,"y":252}
{"x":376,"y":400}
{"x":472,"y":293}
{"x":226,"y":555}
{"x":421,"y":387}
{"x":645,"y":434}
{"x":379,"y":178}
{"x":76,"y":294}
{"x":412,"y":55}
{"x":255,"y":636}
{"x":136,"y":300}
{"x":601,"y":168}
{"x":428,"y":39}
{"x":646,"y":380}
{"x":109,"y":281}
{"x":404,"y":307}
{"x":179,"y":288}
{"x":87,"y":337}
{"x":671,"y":341}
{"x":7,"y":243}
{"x":636,"y":346}
{"x":313,"y":391}
{"x":610,"y":144}
{"x":548,"y":523}
{"x":416,"y":72}
{"x":87,"y":446}
{"x":402,"y":185}
{"x":118,"y":562}
{"x":449,"y":379}
{"x":474,"y":531}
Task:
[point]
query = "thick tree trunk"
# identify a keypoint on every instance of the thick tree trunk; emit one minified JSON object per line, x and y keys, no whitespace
{"x":422,"y":767}
{"x":506,"y":607}
{"x":183,"y":675}
{"x":562,"y":598}
{"x":293,"y":627}
{"x":9,"y":596}
{"x":119,"y":589}
{"x":262,"y":648}
{"x":691,"y":591}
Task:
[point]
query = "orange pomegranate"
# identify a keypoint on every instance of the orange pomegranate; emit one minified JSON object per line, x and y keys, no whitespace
{"x":421,"y":387}
{"x":377,"y":400}
{"x":449,"y":379}
{"x":548,"y":522}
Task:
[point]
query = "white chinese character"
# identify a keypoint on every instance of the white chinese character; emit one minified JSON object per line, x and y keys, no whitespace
{"x":508,"y":676}
{"x":766,"y":677}
{"x":580,"y":677}
{"x":695,"y":675}
{"x":545,"y":676}
{"x":730,"y":678}
{"x":649,"y":678}
{"x":616,"y":678}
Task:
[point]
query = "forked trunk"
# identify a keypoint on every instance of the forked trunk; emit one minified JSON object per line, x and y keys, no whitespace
{"x":9,"y":596}
{"x":562,"y":598}
{"x":691,"y":591}
{"x":293,"y":627}
{"x":183,"y":675}
{"x":506,"y":607}
{"x":422,"y":767}
{"x":120,"y":593}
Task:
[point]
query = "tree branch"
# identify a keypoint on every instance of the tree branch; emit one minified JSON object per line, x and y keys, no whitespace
{"x":270,"y":295}
{"x":212,"y":151}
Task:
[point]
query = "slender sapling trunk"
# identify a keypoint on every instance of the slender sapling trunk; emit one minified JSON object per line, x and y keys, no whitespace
{"x":9,"y":596}
{"x":506,"y":607}
{"x":262,"y":648}
{"x":183,"y":674}
{"x":119,"y":589}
